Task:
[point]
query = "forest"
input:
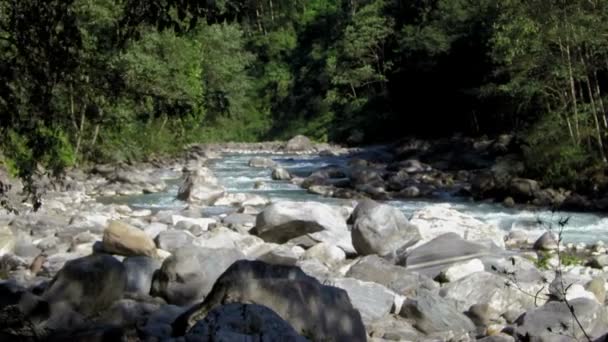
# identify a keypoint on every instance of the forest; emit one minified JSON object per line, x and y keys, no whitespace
{"x":89,"y":81}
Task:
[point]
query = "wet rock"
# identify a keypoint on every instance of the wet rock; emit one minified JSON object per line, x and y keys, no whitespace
{"x":200,"y":186}
{"x":381,"y":229}
{"x":299,"y":143}
{"x":318,"y":311}
{"x":123,"y":239}
{"x":280,"y":173}
{"x":283,"y":221}
{"x":262,"y":163}
{"x":187,"y":276}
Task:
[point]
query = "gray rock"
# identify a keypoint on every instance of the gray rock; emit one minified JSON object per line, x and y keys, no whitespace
{"x":172,"y":240}
{"x":599,"y":261}
{"x":522,"y":188}
{"x":187,"y":276}
{"x":317,"y":311}
{"x":299,"y":143}
{"x":7,"y":240}
{"x":280,"y":173}
{"x":124,"y":239}
{"x":394,"y":328}
{"x":597,"y":286}
{"x":239,"y":220}
{"x":433,"y":314}
{"x":381,"y":229}
{"x":139,"y":273}
{"x":242,"y":322}
{"x":546,"y":242}
{"x":127,"y":312}
{"x":325,"y":253}
{"x":555,"y":318}
{"x":200,"y":187}
{"x":373,"y":301}
{"x":280,"y":255}
{"x":157,"y":326}
{"x":283,"y":221}
{"x":437,"y":254}
{"x":262,"y":162}
{"x":89,"y":284}
{"x":397,"y":278}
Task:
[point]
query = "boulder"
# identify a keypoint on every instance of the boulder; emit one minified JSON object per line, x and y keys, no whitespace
{"x":546,"y":242}
{"x":123,"y":239}
{"x":280,"y":173}
{"x":172,"y":240}
{"x":186,"y":277}
{"x":373,"y":301}
{"x":381,"y":229}
{"x":435,"y":220}
{"x":299,"y":143}
{"x":89,"y":284}
{"x":283,"y":221}
{"x":140,"y":270}
{"x":404,"y":282}
{"x":327,"y":254}
{"x":447,"y":249}
{"x":262,"y":163}
{"x":433,"y":314}
{"x":7,"y":240}
{"x":523,"y":188}
{"x":461,"y":270}
{"x":320,"y":312}
{"x":555,"y":318}
{"x":393,"y":328}
{"x":200,"y":187}
{"x":243,"y":322}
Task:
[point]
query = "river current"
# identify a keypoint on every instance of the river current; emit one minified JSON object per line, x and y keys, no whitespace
{"x":234,"y":174}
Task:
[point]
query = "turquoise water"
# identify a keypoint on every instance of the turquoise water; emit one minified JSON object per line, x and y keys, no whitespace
{"x":234,"y":173}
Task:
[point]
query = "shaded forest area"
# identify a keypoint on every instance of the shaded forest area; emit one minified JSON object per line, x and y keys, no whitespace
{"x":113,"y":80}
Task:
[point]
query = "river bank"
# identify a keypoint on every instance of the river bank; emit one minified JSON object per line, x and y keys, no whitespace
{"x":159,"y":266}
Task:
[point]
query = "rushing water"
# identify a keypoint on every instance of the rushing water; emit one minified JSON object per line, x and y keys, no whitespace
{"x":234,"y":173}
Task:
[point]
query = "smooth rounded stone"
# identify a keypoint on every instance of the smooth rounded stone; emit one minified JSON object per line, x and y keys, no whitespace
{"x":444,"y":250}
{"x":575,"y":291}
{"x":158,"y":324}
{"x":280,"y":255}
{"x":285,"y":220}
{"x":203,"y":222}
{"x":127,"y":312}
{"x":140,"y":270}
{"x":299,"y":143}
{"x":438,"y":219}
{"x":187,"y":276}
{"x":516,"y":237}
{"x":49,"y":243}
{"x":89,"y":284}
{"x":7,"y":240}
{"x":546,"y":242}
{"x":599,"y":261}
{"x":200,"y":187}
{"x":123,"y":239}
{"x":262,"y":163}
{"x":433,"y":314}
{"x":381,"y":229}
{"x":93,"y":222}
{"x":597,"y":286}
{"x":243,"y":322}
{"x":239,"y":220}
{"x":280,"y":173}
{"x":242,"y":199}
{"x":320,"y":312}
{"x":172,"y":240}
{"x":543,"y":323}
{"x":461,"y":270}
{"x":155,"y":228}
{"x":84,"y":237}
{"x":399,"y":279}
{"x":393,"y":328}
{"x":222,"y":237}
{"x":26,"y":249}
{"x":373,"y":301}
{"x":496,"y":291}
{"x":327,"y":254}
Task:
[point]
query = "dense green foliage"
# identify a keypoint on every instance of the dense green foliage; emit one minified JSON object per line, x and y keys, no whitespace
{"x":124,"y":79}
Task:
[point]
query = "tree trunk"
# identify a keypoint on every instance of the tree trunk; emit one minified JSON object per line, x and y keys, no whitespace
{"x":80,"y":131}
{"x":573,"y":94}
{"x":598,"y":133}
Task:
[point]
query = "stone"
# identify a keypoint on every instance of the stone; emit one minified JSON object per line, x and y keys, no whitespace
{"x":597,"y":286}
{"x":243,"y":322}
{"x":140,"y":270}
{"x":442,"y":251}
{"x":202,"y":222}
{"x":433,"y":314}
{"x":546,"y":242}
{"x":373,"y":301}
{"x":381,"y":229}
{"x":543,"y":323}
{"x":299,"y":143}
{"x":157,"y":326}
{"x":375,"y":269}
{"x":7,"y":240}
{"x":172,"y":240}
{"x":279,"y":255}
{"x":461,"y":270}
{"x":317,"y":311}
{"x":186,"y":277}
{"x":599,"y":261}
{"x":200,"y":187}
{"x":262,"y":163}
{"x":435,"y":220}
{"x":393,"y":328}
{"x":280,"y":173}
{"x":127,"y":312}
{"x":283,"y":221}
{"x":523,"y":188}
{"x":89,"y":284}
{"x":327,"y":254}
{"x":123,"y":239}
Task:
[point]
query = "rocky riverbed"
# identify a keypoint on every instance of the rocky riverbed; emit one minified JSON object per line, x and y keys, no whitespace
{"x":232,"y":266}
